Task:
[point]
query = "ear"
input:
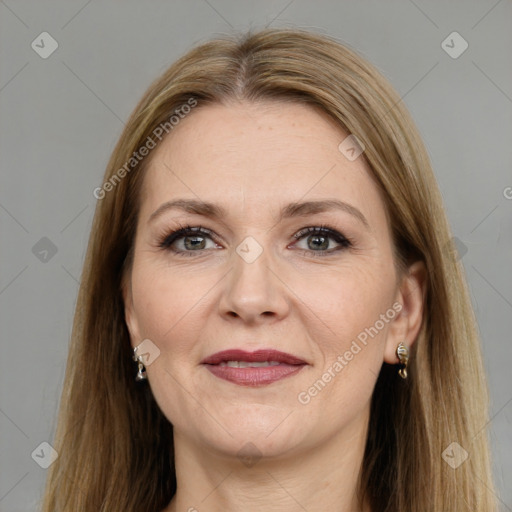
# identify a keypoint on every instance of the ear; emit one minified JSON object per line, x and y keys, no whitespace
{"x":129,"y":313}
{"x":407,"y":323}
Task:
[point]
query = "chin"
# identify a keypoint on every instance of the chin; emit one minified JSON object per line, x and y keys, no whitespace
{"x":252,"y":445}
{"x":259,"y":435}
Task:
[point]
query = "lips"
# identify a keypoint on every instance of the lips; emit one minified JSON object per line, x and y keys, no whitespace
{"x":259,"y":356}
{"x":257,"y":368}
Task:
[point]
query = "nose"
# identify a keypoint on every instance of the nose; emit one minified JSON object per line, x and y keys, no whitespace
{"x":253,"y":289}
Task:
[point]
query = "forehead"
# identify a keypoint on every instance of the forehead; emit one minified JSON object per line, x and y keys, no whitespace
{"x":249,"y":155}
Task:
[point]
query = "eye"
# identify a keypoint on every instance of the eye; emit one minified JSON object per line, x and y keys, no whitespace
{"x":319,"y":237}
{"x":194,"y":240}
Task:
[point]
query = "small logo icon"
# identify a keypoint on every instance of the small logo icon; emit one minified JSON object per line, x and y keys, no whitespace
{"x":351,"y":147}
{"x":44,"y":250}
{"x":249,"y":250}
{"x":148,"y":351}
{"x":249,"y":455}
{"x":456,"y":248}
{"x":454,"y":455}
{"x":44,"y":455}
{"x":454,"y":45}
{"x":44,"y":45}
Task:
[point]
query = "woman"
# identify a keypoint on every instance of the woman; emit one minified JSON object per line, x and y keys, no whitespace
{"x":269,"y":317}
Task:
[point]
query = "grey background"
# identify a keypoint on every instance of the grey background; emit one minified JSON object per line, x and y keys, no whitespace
{"x":61,"y":116}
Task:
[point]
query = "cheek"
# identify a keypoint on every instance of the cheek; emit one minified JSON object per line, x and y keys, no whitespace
{"x":168,"y":304}
{"x":155,"y":304}
{"x":346,"y":301}
{"x":352,"y":310}
{"x":334,"y":305}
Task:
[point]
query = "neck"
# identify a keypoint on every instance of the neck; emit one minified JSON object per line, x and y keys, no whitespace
{"x":322,"y":477}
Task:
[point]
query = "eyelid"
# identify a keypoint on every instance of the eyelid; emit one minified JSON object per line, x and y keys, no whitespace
{"x":167,"y":238}
{"x":181,"y":231}
{"x":343,"y":241}
{"x":321,"y":229}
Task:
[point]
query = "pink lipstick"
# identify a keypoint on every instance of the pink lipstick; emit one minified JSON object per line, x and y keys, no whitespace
{"x":253,"y":368}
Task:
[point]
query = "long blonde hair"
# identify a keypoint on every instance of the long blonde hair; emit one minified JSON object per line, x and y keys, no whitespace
{"x":115,"y":446}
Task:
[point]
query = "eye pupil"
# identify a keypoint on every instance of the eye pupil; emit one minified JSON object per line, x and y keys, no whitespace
{"x":197,"y":242}
{"x":325,"y":241}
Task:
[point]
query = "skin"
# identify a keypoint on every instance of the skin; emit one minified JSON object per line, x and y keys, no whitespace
{"x":253,"y":159}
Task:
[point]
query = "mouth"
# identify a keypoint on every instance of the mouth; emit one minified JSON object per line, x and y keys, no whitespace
{"x":258,"y":368}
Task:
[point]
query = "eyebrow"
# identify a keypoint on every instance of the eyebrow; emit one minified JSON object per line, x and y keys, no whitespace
{"x":295,"y":209}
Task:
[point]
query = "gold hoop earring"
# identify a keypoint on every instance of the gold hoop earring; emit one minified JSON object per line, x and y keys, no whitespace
{"x":402,"y":353}
{"x":141,"y":373}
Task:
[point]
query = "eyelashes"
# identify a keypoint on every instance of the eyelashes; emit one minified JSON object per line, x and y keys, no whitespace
{"x":167,"y":239}
{"x":325,"y":232}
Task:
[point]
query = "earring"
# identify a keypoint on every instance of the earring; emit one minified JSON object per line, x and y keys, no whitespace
{"x":402,"y":353}
{"x":141,"y":374}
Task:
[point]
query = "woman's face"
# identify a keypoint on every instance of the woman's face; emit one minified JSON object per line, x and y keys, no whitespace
{"x":261,"y":277}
